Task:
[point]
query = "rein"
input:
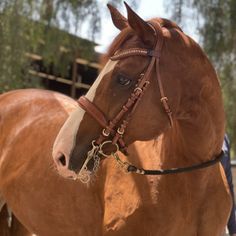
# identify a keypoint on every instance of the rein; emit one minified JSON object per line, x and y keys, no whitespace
{"x":127,"y":167}
{"x":114,"y":130}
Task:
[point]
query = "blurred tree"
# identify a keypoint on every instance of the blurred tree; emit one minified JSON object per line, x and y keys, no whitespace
{"x":42,"y":26}
{"x":216,"y":21}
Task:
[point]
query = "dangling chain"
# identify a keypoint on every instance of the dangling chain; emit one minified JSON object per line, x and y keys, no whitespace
{"x":85,"y":175}
{"x":95,"y":153}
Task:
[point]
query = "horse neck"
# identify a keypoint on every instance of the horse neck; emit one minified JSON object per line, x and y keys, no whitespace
{"x":197,"y":138}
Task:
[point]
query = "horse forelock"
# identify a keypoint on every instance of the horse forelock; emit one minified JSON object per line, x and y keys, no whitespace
{"x":116,"y":44}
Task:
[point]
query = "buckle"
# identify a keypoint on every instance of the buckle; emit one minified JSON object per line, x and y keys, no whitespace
{"x":138,"y":89}
{"x":120,"y":131}
{"x":105,"y":133}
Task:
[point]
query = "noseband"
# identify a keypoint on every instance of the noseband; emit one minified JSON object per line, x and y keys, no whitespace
{"x":114,"y":130}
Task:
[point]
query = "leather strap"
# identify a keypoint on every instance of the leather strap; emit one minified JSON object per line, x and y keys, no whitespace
{"x":134,"y":169}
{"x":92,"y":110}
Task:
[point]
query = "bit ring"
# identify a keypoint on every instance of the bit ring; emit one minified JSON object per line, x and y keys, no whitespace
{"x":101,"y":151}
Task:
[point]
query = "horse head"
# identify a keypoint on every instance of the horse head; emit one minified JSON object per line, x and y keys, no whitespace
{"x":139,"y":94}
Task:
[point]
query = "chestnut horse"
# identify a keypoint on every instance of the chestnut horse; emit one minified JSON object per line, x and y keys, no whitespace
{"x":188,"y":131}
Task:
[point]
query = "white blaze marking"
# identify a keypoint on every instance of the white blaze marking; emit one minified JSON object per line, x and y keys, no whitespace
{"x":92,"y":91}
{"x":66,"y":138}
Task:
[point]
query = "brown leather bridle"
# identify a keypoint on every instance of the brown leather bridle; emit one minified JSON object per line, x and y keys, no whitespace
{"x":114,"y":130}
{"x":111,"y":130}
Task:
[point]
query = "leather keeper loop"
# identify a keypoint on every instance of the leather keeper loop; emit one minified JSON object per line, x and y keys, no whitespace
{"x":153,"y":53}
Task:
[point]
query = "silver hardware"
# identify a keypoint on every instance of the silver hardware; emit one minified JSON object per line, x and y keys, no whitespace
{"x":105,"y":143}
{"x":121,"y":164}
{"x":84,"y":174}
{"x":120,"y":131}
{"x":138,"y":89}
{"x":104,"y":133}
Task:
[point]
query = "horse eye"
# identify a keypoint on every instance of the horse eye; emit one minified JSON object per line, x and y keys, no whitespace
{"x":123,"y":80}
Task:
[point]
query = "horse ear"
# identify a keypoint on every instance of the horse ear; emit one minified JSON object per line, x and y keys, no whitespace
{"x":141,"y":27}
{"x":119,"y":20}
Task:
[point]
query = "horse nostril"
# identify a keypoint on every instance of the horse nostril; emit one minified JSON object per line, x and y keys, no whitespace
{"x":62,"y":160}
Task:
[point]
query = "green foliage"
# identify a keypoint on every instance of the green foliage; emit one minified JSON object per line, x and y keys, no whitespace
{"x":12,"y":42}
{"x":32,"y":26}
{"x":217,"y":26}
